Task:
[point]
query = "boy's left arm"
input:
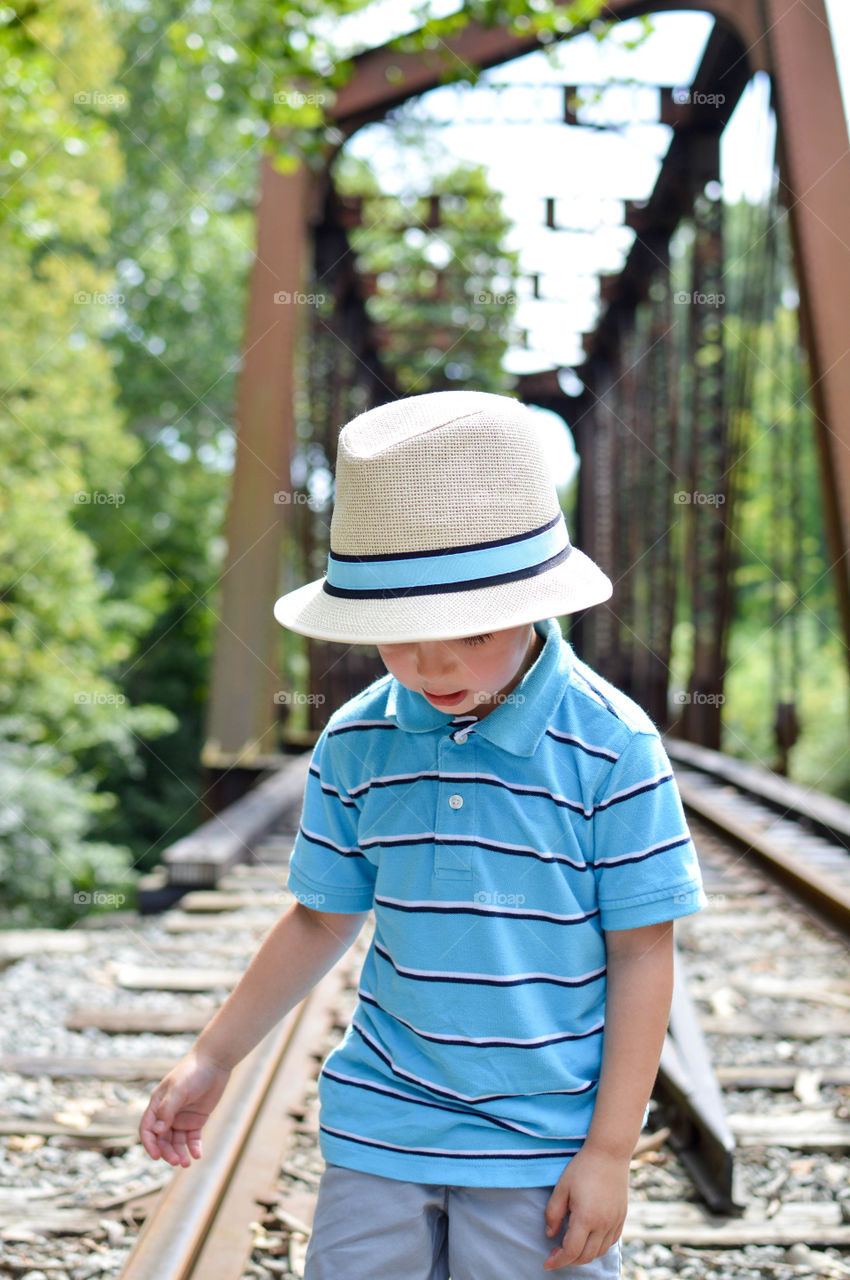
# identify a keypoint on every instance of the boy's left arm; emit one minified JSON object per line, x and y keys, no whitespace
{"x":593,"y":1189}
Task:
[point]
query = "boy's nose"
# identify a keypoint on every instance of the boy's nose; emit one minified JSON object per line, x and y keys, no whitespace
{"x":433,"y":659}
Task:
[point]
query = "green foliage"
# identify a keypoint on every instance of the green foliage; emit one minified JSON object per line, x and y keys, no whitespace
{"x":785,"y":639}
{"x":64,"y":454}
{"x":787,"y":648}
{"x":49,"y":871}
{"x":445,"y":295}
{"x":545,"y":20}
{"x":277,"y":63}
{"x":182,"y":239}
{"x":820,"y":759}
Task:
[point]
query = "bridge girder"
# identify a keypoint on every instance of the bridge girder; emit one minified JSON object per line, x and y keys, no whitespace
{"x":788,"y":40}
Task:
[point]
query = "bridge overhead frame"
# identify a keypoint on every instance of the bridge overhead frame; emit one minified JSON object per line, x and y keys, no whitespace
{"x":788,"y":40}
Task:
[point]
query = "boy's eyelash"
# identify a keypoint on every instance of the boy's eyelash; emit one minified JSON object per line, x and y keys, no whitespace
{"x":473,"y":640}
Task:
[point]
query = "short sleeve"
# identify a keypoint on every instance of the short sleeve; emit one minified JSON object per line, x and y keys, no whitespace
{"x":644,"y":858}
{"x":327,"y":870}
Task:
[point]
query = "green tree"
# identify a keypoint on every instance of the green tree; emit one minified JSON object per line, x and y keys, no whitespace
{"x":63,"y":451}
{"x":181,"y":243}
{"x":443,"y":281}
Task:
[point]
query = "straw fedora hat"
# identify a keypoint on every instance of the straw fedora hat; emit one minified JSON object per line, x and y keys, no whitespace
{"x":446,"y":524}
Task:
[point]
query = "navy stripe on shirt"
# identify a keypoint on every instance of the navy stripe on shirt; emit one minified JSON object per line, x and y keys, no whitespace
{"x":487,"y":980}
{"x":440,"y":1092}
{"x":410,"y":1099}
{"x":460,"y":908}
{"x":471,"y":842}
{"x":485,"y":1042}
{"x":447,"y":1154}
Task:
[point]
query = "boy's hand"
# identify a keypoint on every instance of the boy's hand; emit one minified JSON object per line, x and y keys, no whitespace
{"x":594,"y":1191}
{"x":180,"y":1104}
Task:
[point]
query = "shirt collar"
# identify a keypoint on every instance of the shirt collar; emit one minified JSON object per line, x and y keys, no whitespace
{"x":518,"y":724}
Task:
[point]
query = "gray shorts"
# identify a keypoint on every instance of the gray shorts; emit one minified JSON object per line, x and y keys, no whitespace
{"x":371,"y":1228}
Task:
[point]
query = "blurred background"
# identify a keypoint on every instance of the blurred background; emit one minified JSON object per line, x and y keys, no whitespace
{"x":599,"y":220}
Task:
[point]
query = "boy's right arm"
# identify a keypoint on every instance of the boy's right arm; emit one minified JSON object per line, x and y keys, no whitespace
{"x":300,"y":948}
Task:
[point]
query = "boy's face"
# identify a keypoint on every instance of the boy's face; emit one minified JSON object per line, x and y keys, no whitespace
{"x":471,"y":674}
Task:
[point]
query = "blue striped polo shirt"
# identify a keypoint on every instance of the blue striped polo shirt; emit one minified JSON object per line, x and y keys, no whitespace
{"x":495,"y":853}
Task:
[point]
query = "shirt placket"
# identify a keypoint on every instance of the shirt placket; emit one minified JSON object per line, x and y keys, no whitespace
{"x":455,"y":801}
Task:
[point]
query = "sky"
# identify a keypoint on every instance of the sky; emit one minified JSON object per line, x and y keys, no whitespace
{"x":589,"y":171}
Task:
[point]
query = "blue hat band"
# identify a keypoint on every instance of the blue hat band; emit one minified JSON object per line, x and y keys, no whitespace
{"x":486,"y":564}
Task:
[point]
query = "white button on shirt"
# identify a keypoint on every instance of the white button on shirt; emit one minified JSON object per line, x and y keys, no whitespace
{"x":456,"y":801}
{"x":461,"y":737}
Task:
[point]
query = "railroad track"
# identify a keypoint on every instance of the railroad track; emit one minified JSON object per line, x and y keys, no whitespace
{"x":799,"y":836}
{"x":770,"y":985}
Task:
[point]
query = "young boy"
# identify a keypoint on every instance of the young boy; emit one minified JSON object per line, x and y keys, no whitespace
{"x":513,"y":823}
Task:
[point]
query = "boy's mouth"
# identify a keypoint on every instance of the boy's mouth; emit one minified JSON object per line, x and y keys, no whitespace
{"x":445,"y":699}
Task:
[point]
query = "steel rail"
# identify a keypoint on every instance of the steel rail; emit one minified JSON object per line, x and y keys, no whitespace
{"x":824,"y":814}
{"x":200,"y":1227}
{"x":822,"y":890}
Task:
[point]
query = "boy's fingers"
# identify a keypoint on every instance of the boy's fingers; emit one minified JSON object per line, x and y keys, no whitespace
{"x":572,"y":1246}
{"x":555,"y":1210}
{"x":178,"y":1144}
{"x":561,"y":1258}
{"x":158,"y":1115}
{"x":149,"y":1143}
{"x":169,"y":1153}
{"x":164,"y":1149}
{"x":149,"y":1132}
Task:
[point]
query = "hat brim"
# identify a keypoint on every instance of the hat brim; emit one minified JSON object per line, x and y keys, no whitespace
{"x":577,"y":583}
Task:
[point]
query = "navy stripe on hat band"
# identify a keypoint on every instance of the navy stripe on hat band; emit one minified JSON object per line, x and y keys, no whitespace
{"x":436,"y":588}
{"x":454,"y":570}
{"x":558,"y":519}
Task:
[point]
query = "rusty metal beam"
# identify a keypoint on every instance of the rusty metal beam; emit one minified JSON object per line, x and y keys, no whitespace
{"x":245,"y":674}
{"x":814,"y":164}
{"x":689,"y":164}
{"x":386,"y":77}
